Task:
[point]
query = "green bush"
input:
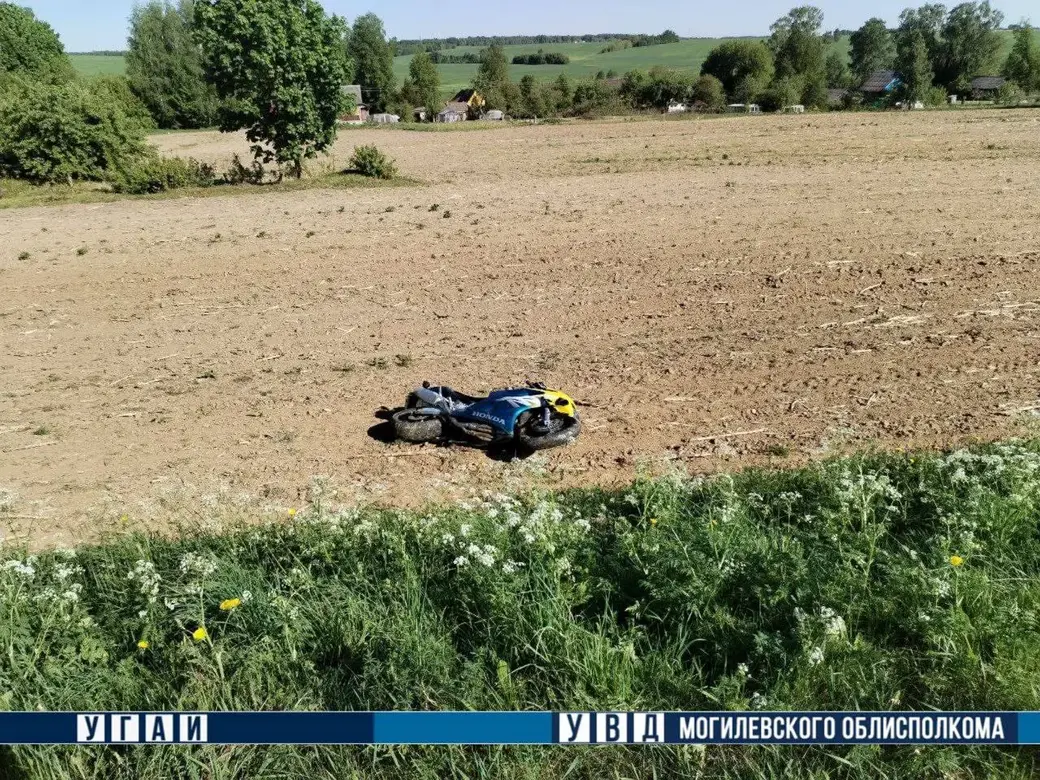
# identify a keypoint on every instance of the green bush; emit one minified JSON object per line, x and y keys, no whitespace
{"x":239,"y":173}
{"x":67,"y":132}
{"x":160,"y":174}
{"x":1010,"y":94}
{"x":936,"y":97}
{"x":116,"y":89}
{"x":369,"y":161}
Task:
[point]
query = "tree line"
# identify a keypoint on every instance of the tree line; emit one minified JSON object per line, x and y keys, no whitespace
{"x":936,"y":52}
{"x":276,"y":70}
{"x":542,"y":58}
{"x":406,"y":47}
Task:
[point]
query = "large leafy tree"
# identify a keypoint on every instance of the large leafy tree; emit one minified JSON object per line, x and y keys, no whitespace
{"x":970,"y":44}
{"x":1022,"y":65}
{"x":164,"y":65}
{"x":915,"y":67}
{"x":492,"y":80}
{"x":871,"y":49}
{"x":928,"y":21}
{"x":279,"y":67}
{"x":797,"y":46}
{"x":30,"y":48}
{"x":838,"y":74}
{"x":741,"y":66}
{"x":424,"y":82}
{"x":493,"y":70}
{"x":373,"y":60}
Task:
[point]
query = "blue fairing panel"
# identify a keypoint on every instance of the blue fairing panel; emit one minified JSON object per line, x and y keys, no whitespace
{"x":501,"y":409}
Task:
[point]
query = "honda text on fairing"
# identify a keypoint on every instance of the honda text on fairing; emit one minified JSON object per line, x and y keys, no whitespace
{"x":533,"y":417}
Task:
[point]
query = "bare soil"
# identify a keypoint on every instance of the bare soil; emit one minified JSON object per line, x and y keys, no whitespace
{"x":718,"y":293}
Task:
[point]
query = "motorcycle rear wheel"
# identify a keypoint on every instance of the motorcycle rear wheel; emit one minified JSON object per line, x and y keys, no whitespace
{"x":416,"y":428}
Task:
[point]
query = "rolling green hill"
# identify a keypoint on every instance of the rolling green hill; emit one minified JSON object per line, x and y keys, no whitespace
{"x":585,"y":60}
{"x":98,"y":64}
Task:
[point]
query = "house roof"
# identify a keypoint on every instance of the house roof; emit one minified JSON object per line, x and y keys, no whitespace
{"x":988,"y":82}
{"x":457,"y":106}
{"x":880,"y":81}
{"x":464,"y":96}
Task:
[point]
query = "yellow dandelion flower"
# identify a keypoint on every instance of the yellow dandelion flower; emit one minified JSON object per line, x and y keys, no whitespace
{"x":292,"y":513}
{"x":200,"y":634}
{"x":653,"y":521}
{"x":124,"y":519}
{"x":956,"y":560}
{"x":143,"y":645}
{"x":229,"y":604}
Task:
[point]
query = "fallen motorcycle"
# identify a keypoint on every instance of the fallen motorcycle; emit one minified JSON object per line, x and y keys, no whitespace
{"x":532,"y":418}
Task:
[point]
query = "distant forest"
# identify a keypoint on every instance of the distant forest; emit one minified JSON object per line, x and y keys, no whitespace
{"x":404,"y":47}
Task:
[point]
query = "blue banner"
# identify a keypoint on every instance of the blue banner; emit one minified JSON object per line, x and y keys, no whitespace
{"x":520,"y":728}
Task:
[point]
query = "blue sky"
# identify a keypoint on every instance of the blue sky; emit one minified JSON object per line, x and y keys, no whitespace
{"x":101,"y":24}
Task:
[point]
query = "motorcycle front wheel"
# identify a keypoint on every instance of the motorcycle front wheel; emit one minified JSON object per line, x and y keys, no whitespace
{"x":417,"y":428}
{"x":532,"y":436}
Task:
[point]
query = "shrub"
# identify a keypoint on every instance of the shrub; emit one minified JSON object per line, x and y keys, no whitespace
{"x":51,"y":133}
{"x":1010,"y":94}
{"x":116,"y":90}
{"x":238,"y":173}
{"x":160,"y":174}
{"x":936,"y":96}
{"x":709,"y":91}
{"x":369,"y":161}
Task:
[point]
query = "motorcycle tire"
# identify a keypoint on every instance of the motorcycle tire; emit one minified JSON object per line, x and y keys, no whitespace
{"x":416,"y":428}
{"x":562,"y":431}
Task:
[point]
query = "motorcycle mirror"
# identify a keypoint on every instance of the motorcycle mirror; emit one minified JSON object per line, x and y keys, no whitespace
{"x":426,"y":385}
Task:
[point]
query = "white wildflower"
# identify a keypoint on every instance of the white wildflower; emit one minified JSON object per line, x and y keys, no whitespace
{"x":465,"y":530}
{"x":193,"y":563}
{"x":461,"y":562}
{"x":816,"y":656}
{"x":246,"y":596}
{"x":512,"y":567}
{"x":833,"y":624}
{"x":26,"y":569}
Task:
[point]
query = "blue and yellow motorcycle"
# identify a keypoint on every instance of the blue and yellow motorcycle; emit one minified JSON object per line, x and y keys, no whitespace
{"x":532,"y":418}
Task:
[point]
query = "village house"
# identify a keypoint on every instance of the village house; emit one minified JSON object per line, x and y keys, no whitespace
{"x":473,"y":99}
{"x":986,"y":87}
{"x":879,"y":85}
{"x":454,"y":112}
{"x":360,"y":113}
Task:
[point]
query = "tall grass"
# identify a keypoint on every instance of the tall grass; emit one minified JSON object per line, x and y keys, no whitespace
{"x":876,"y":582}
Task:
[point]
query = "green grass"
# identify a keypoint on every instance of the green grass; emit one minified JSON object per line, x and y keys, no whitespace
{"x":884,"y":581}
{"x":20,"y":194}
{"x":98,"y":64}
{"x":586,"y":60}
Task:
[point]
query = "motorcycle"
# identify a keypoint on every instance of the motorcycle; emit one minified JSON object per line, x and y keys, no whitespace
{"x":532,"y":418}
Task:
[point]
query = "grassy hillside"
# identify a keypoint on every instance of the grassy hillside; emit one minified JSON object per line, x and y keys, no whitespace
{"x":98,"y":64}
{"x":883,"y":582}
{"x":586,"y":60}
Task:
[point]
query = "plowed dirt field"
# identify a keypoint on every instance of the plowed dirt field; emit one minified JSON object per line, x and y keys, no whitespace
{"x":718,"y":293}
